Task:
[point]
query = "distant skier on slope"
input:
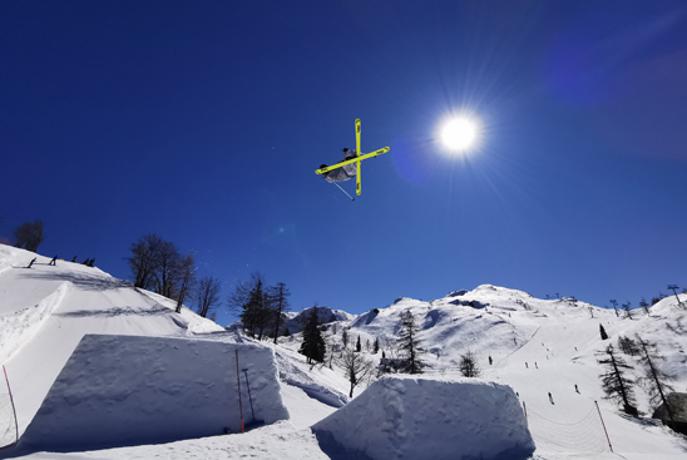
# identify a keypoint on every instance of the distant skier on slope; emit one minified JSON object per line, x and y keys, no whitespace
{"x":345,"y":172}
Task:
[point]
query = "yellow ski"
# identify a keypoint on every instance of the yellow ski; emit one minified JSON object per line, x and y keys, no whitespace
{"x":358,"y":151}
{"x":358,"y":160}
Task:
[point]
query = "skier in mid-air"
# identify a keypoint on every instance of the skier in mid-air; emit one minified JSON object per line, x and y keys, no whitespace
{"x":343,"y":173}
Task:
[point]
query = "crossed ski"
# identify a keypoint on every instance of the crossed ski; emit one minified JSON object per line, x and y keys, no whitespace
{"x":358,"y":159}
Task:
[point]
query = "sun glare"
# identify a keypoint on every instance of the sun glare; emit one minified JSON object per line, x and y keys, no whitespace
{"x":459,"y":134}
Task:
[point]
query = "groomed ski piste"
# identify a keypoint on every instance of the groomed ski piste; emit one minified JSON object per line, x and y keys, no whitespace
{"x":68,"y":328}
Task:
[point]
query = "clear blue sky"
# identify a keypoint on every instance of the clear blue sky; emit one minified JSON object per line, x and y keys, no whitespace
{"x":203,"y":122}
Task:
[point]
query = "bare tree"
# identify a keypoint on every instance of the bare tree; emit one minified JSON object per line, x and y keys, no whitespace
{"x":627,"y":307}
{"x":185,"y":279}
{"x":645,"y":305}
{"x":167,"y":269}
{"x":29,"y":235}
{"x":357,"y":368}
{"x":279,"y":297}
{"x":674,"y":288}
{"x":208,"y":295}
{"x":614,"y":304}
{"x":143,"y":260}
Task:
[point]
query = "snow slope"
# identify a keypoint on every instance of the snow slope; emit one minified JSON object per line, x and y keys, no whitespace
{"x":537,"y":347}
{"x":46,"y":310}
{"x":541,"y":346}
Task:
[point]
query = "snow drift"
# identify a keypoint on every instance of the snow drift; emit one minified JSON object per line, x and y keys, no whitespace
{"x":125,"y":390}
{"x":422,"y":418}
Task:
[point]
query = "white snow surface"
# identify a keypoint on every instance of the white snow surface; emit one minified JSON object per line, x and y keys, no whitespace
{"x":420,"y":418}
{"x":45,"y":312}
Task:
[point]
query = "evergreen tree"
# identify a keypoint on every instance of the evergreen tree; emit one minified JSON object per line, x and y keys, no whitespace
{"x":468,"y":365}
{"x":375,"y":346}
{"x":344,"y":338}
{"x":628,"y":346}
{"x":408,"y":344}
{"x":357,"y":345}
{"x":655,"y":379}
{"x":254,"y":304}
{"x":313,"y":346}
{"x":602,"y":331}
{"x":614,"y":382}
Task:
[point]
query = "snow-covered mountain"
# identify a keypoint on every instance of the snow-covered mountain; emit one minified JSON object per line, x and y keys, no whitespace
{"x":539,"y":347}
{"x":536,"y":346}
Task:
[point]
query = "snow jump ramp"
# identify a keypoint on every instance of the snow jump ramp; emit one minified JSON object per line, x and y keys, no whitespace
{"x":427,"y":418}
{"x":127,"y":390}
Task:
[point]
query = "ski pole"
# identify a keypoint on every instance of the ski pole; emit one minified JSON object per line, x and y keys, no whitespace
{"x":344,"y":192}
{"x":250,"y":397}
{"x":238,"y":384}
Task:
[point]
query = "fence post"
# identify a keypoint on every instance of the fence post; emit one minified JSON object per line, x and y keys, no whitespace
{"x":603,"y":425}
{"x":14,"y":409}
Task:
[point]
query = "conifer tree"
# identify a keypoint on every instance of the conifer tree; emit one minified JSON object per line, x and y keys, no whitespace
{"x":313,"y":346}
{"x":655,"y":379}
{"x":344,"y":338}
{"x":602,"y":331}
{"x":615,"y":384}
{"x":357,"y":345}
{"x":375,"y":346}
{"x":409,"y":344}
{"x":628,"y":346}
{"x":255,"y":306}
{"x":468,"y":365}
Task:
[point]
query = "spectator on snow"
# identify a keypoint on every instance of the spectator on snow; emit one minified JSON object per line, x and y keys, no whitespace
{"x":31,"y":263}
{"x":53,"y":261}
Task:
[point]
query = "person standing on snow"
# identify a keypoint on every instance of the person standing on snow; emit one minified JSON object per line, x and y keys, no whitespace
{"x":343,"y":173}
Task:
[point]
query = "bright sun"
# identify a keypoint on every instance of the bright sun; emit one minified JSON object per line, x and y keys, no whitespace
{"x":460,"y":133}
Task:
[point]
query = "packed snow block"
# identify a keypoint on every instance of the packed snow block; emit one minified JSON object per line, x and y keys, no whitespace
{"x":129,"y":390}
{"x":423,"y":418}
